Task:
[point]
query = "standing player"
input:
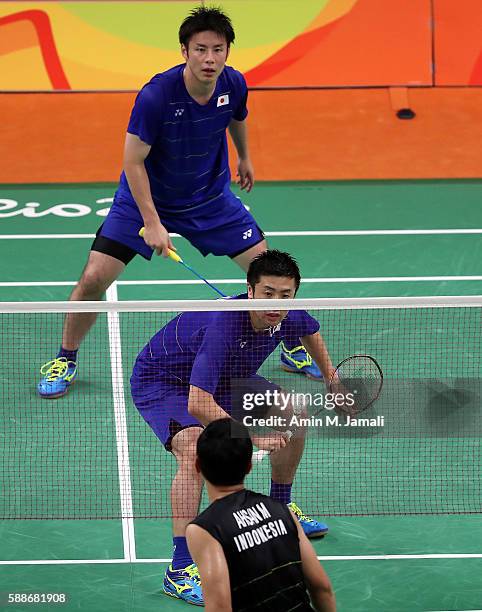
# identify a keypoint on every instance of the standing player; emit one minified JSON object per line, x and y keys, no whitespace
{"x":176,"y":178}
{"x":188,"y":375}
{"x":262,"y":562}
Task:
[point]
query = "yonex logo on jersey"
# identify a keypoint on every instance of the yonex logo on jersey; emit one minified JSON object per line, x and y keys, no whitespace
{"x":273,"y":330}
{"x":242,"y":344}
{"x":179,"y":112}
{"x":223,"y":100}
{"x":247,"y":234}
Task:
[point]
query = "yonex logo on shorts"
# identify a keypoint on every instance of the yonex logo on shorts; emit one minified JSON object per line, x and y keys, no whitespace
{"x":179,"y":112}
{"x":247,"y":234}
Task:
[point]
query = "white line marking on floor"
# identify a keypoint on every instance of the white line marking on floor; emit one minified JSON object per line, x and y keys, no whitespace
{"x":321,"y":558}
{"x":374,"y":232}
{"x":122,"y":443}
{"x":241,"y":281}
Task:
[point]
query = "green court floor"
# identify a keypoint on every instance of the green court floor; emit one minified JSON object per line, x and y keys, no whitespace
{"x":389,"y":238}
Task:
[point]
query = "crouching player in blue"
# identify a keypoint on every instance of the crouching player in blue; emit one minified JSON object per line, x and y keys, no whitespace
{"x":182,"y":380}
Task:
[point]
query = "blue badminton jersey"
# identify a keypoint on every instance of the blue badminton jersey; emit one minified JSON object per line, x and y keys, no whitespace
{"x":187,"y":165}
{"x":208,"y":349}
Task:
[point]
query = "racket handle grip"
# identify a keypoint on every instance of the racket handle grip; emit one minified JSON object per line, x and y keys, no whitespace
{"x":261,"y":454}
{"x":172,"y":254}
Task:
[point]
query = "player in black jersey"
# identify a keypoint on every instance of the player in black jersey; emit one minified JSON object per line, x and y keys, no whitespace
{"x":250,"y":549}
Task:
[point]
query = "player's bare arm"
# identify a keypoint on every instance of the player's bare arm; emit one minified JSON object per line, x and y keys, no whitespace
{"x":209,"y":557}
{"x":203,"y":407}
{"x":318,"y":583}
{"x":316,"y":347}
{"x":239,"y":133}
{"x":155,"y":234}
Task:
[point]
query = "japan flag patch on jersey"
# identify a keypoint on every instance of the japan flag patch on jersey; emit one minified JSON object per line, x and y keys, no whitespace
{"x":223,"y":100}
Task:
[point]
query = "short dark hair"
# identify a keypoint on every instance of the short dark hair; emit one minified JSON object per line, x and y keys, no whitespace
{"x":273,"y":263}
{"x":206,"y":18}
{"x":224,"y":451}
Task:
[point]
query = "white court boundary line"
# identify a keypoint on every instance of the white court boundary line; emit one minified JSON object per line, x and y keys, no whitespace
{"x":122,"y":443}
{"x":241,"y":281}
{"x":381,"y":232}
{"x":320,"y":558}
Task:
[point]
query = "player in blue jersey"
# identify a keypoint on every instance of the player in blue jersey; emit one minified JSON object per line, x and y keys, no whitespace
{"x":176,"y":178}
{"x":198,"y":368}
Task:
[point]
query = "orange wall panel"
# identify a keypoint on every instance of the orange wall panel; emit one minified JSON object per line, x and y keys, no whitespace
{"x":95,"y":45}
{"x":355,"y":134}
{"x":63,"y":137}
{"x":375,"y":43}
{"x":458,"y":42}
{"x":88,"y":46}
{"x":294,"y":135}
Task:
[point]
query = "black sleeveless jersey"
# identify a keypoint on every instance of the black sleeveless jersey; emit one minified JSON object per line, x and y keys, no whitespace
{"x":260,"y":542}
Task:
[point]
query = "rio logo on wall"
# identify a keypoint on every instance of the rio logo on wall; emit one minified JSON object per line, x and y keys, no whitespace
{"x":11,"y":208}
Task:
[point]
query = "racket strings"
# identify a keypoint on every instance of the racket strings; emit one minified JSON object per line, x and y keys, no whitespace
{"x":362,"y":377}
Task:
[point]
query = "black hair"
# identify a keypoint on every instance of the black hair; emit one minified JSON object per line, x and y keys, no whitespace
{"x":273,"y":263}
{"x":224,"y":451}
{"x":206,"y":18}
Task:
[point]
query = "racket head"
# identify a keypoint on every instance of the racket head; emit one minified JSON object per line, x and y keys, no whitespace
{"x":360,"y":375}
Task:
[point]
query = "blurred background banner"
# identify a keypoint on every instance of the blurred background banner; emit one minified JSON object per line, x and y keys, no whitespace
{"x":100,"y":46}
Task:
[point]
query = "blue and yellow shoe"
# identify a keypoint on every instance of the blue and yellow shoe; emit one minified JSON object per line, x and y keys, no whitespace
{"x":185,"y":584}
{"x":58,"y":375}
{"x":312,"y":528}
{"x":298,"y":361}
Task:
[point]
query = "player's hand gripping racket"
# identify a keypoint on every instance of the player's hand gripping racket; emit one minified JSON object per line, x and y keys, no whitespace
{"x":359,"y":379}
{"x":177,"y":258}
{"x":261,"y":454}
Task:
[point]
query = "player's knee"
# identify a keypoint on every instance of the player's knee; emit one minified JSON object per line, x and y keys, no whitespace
{"x":184,"y":445}
{"x":93,"y":283}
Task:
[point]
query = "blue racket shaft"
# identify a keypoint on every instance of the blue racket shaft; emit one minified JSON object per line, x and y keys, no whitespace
{"x":202,"y":278}
{"x":177,"y":258}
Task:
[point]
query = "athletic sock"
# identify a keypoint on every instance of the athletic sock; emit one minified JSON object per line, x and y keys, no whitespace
{"x":281,"y":492}
{"x":181,"y":557}
{"x":69,"y":355}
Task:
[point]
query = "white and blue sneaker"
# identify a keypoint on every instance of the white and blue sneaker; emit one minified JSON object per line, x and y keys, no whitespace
{"x":184,"y":583}
{"x":58,"y":375}
{"x":312,"y":528}
{"x":299,"y":361}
